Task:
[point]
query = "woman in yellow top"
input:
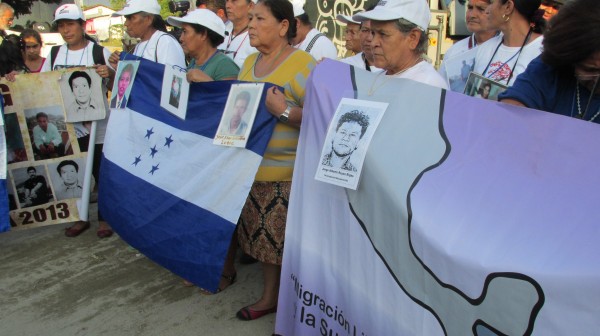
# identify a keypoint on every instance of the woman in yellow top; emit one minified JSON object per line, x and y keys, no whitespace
{"x":261,"y":228}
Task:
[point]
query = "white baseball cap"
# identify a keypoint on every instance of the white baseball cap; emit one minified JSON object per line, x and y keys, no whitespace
{"x":136,"y":6}
{"x":346,"y":19}
{"x":68,"y":12}
{"x":415,"y":11}
{"x":298,"y":7}
{"x":203,"y":17}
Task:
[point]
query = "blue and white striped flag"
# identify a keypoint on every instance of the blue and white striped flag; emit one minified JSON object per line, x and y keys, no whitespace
{"x":165,"y":188}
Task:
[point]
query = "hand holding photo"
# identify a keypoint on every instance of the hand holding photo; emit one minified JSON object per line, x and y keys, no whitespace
{"x":238,"y":116}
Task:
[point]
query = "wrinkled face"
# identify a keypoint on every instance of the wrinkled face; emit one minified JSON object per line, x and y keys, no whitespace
{"x":346,"y":138}
{"x":588,"y":72}
{"x":191,"y":41}
{"x":238,"y":9}
{"x":352,"y":37}
{"x":43,"y":123}
{"x":392,"y":49}
{"x":6,"y":20}
{"x":68,"y":174}
{"x":32,"y":48}
{"x":263,"y":28}
{"x":124,"y":81}
{"x":365,"y":38}
{"x":476,"y":17}
{"x":71,"y":31}
{"x":81,"y":90}
{"x":138,"y":24}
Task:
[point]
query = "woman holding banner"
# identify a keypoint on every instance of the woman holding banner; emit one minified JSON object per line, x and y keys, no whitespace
{"x":81,"y":51}
{"x":261,"y":228}
{"x":201,"y":32}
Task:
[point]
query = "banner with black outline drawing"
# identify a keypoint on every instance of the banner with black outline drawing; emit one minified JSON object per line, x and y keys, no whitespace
{"x":471,"y":217}
{"x":46,"y":165}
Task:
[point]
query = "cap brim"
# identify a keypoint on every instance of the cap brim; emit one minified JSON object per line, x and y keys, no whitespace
{"x":346,"y":19}
{"x":176,"y":21}
{"x":377,"y":14}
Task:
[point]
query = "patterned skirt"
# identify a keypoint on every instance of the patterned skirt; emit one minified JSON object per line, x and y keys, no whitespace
{"x":261,"y":228}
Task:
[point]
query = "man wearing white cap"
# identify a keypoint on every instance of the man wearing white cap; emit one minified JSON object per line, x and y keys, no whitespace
{"x":399,"y":40}
{"x":7,"y":16}
{"x":351,"y":33}
{"x":237,"y":44}
{"x":143,"y":21}
{"x":310,"y":39}
{"x":359,"y":60}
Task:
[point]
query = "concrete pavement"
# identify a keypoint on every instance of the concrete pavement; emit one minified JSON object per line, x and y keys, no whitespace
{"x":54,"y":285}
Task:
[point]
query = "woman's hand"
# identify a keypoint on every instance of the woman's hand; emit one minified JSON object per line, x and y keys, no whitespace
{"x":104,"y":71}
{"x":11,"y":76}
{"x":275,"y":102}
{"x":197,"y":75}
{"x":113,"y":60}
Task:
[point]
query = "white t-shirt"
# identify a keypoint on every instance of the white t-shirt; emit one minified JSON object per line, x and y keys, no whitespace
{"x":84,"y":57}
{"x":237,"y":47}
{"x":425,"y":73}
{"x":358,"y":62}
{"x":161,"y":48}
{"x":504,"y":59}
{"x":323,"y":47}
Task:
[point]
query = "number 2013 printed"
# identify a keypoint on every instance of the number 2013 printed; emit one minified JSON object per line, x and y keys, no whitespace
{"x":40,"y":215}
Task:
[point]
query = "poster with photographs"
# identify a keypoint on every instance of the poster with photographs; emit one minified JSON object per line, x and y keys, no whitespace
{"x":83,"y":99}
{"x":458,"y":69}
{"x":348,"y":138}
{"x":175,"y":91}
{"x":124,"y":78}
{"x":481,"y":87}
{"x":238,"y":116}
{"x":45,"y":162}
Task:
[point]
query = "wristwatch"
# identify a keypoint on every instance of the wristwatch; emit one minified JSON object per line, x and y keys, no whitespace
{"x":285,"y":116}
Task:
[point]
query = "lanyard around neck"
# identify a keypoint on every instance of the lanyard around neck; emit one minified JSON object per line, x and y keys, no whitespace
{"x":517,"y":54}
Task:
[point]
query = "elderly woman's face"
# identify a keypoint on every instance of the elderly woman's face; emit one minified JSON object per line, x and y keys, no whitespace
{"x":137,"y":24}
{"x":191,"y":41}
{"x":393,"y":50}
{"x":264,"y":29}
{"x":494,"y":12}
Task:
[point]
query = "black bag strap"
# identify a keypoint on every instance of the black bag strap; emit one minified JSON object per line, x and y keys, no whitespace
{"x":313,"y":41}
{"x":53,"y":53}
{"x":98,"y":54}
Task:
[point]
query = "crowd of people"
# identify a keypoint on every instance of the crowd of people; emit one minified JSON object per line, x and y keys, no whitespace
{"x":550,"y":65}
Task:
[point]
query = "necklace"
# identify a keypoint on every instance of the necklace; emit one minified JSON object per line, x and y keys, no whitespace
{"x":83,"y":51}
{"x":387,"y":78}
{"x":517,"y":54}
{"x":581,"y":114}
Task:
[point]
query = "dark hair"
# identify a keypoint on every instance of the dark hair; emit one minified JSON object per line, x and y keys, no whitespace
{"x":78,"y":74}
{"x":213,"y":5}
{"x":30,"y":33}
{"x":530,"y":9}
{"x":304,"y":19}
{"x":282,"y":10}
{"x":41,"y":114}
{"x":158,"y":22}
{"x":127,"y":68}
{"x":572,"y":35}
{"x":355,"y":116}
{"x":30,"y":168}
{"x":11,"y":56}
{"x":67,"y":163}
{"x":484,"y":85}
{"x":214,"y":38}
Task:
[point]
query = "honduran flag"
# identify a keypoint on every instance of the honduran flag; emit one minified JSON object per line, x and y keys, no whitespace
{"x":165,"y":188}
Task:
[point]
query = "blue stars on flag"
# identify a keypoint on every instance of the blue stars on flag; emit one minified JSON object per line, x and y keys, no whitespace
{"x":154,"y":154}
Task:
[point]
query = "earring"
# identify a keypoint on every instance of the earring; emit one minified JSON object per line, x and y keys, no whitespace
{"x":505,"y":17}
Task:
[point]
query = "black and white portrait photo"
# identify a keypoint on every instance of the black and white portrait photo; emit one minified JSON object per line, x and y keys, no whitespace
{"x":82,"y":95}
{"x":175,"y":91}
{"x":67,"y":178}
{"x":348,"y":137}
{"x":31,"y":185}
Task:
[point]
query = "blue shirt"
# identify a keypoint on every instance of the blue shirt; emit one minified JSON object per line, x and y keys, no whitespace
{"x":541,"y":87}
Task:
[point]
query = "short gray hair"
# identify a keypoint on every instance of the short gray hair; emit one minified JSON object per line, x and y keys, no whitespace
{"x":405,"y":27}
